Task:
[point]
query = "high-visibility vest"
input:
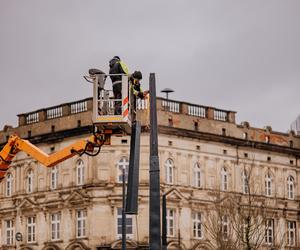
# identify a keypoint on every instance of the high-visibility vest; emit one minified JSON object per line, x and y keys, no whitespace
{"x":124,"y":67}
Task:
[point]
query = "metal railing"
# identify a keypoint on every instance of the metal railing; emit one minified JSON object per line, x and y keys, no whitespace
{"x":78,"y":107}
{"x":197,"y":111}
{"x":54,"y":112}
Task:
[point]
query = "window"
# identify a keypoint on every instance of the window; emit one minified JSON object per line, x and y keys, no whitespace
{"x":169,"y":171}
{"x":81,"y":222}
{"x":225,"y":227}
{"x":197,"y":226}
{"x":268,"y":185}
{"x":80,"y":172}
{"x":29,"y":181}
{"x":9,"y":227}
{"x":269,"y":229}
{"x":123,"y":164}
{"x":129,"y":225}
{"x":9,"y":185}
{"x":291,"y":233}
{"x":170,"y":222}
{"x":55,"y":226}
{"x":245,"y":182}
{"x":53,"y":178}
{"x":197,"y":175}
{"x":31,"y":229}
{"x":290,"y":187}
{"x":224,"y":179}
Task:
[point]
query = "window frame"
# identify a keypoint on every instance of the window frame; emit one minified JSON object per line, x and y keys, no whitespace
{"x":9,"y":232}
{"x":29,"y":181}
{"x":55,"y":226}
{"x":225,"y":227}
{"x":169,"y":171}
{"x":9,"y":185}
{"x":224,"y":179}
{"x":268,"y":185}
{"x":291,"y":229}
{"x":129,"y":224}
{"x":197,"y":175}
{"x":53,"y":178}
{"x":171,"y":220}
{"x":122,"y":163}
{"x":291,"y":187}
{"x":269,"y":231}
{"x":81,"y":217}
{"x":80,"y":167}
{"x":31,"y":229}
{"x":197,"y":218}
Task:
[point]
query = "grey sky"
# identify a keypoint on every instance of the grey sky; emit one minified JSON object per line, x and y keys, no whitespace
{"x":237,"y":55}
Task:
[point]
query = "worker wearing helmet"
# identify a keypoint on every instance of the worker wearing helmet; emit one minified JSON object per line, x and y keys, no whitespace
{"x":135,"y":91}
{"x":116,"y":69}
{"x":135,"y":84}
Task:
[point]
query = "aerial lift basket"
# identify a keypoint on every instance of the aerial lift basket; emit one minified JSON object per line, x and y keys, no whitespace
{"x":108,"y":112}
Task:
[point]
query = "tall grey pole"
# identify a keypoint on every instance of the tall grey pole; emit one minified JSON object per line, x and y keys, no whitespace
{"x":123,"y":211}
{"x":133,"y":172}
{"x":154,"y":185}
{"x":164,"y":222}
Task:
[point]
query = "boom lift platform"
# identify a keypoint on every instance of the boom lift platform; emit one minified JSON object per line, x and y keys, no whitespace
{"x":105,"y":122}
{"x":104,"y":104}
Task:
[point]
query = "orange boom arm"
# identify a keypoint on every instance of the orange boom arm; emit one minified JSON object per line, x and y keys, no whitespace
{"x":15,"y":144}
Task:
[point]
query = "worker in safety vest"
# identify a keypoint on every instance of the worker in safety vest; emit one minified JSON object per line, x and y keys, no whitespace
{"x":116,"y":66}
{"x":136,"y":91}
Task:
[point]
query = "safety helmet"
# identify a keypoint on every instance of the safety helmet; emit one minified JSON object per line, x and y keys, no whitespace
{"x":137,"y":75}
{"x":114,"y":60}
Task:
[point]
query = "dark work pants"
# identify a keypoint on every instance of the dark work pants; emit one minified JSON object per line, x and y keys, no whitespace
{"x":117,"y":89}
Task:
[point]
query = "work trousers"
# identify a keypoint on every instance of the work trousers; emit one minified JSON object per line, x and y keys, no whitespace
{"x":117,"y":90}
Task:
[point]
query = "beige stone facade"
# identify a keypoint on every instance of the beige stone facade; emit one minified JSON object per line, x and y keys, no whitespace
{"x":203,"y":153}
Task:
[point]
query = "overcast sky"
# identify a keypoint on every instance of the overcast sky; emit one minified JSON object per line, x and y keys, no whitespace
{"x":237,"y":55}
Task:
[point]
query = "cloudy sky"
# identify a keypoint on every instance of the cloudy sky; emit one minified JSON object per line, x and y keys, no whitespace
{"x":237,"y":55}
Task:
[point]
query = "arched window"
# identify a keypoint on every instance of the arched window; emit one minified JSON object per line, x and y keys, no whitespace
{"x":80,"y":172}
{"x":268,"y":184}
{"x":290,"y":187}
{"x":169,"y":171}
{"x":53,"y":178}
{"x":9,"y":184}
{"x":224,"y":179}
{"x":29,"y":181}
{"x":123,"y":164}
{"x":245,"y":182}
{"x":197,"y":175}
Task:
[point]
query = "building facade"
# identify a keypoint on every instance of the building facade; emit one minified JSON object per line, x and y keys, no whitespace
{"x":220,"y":178}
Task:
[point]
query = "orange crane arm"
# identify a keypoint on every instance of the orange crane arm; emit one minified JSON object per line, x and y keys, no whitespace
{"x":15,"y":144}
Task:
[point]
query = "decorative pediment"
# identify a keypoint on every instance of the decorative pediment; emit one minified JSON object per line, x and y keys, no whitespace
{"x":77,"y":197}
{"x":77,"y":245}
{"x":50,"y":246}
{"x":130,"y":244}
{"x":25,"y":203}
{"x":175,"y":195}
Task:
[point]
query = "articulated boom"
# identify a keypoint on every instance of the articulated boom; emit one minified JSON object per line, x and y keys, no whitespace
{"x":15,"y":144}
